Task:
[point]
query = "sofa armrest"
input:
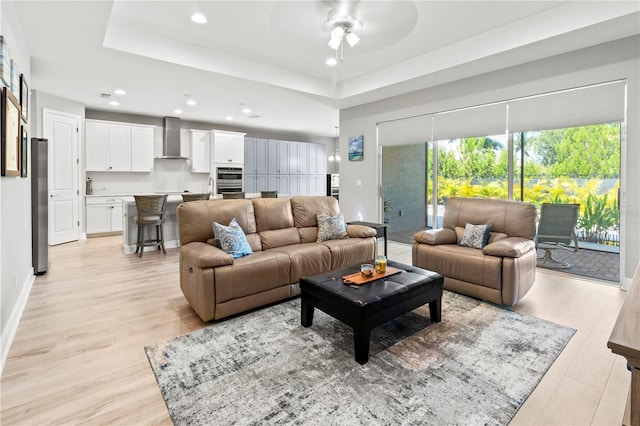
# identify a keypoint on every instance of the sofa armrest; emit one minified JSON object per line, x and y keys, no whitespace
{"x":204,"y":255}
{"x":509,"y":247}
{"x":435,"y":237}
{"x":361,"y":231}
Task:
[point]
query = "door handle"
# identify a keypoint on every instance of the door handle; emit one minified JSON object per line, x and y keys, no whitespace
{"x":53,"y":195}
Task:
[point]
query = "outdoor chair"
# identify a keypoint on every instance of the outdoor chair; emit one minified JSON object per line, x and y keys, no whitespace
{"x":232,"y":195}
{"x":557,"y":230}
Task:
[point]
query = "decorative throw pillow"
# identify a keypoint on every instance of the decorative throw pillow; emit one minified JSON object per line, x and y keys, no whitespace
{"x":331,"y":227}
{"x":232,"y":239}
{"x":475,"y":236}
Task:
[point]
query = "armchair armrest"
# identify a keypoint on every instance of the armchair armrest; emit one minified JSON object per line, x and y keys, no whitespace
{"x":435,"y":237}
{"x":204,"y":255}
{"x":360,"y":231}
{"x":509,"y":247}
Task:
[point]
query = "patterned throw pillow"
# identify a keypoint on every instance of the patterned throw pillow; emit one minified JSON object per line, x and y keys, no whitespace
{"x":232,"y":239}
{"x":475,"y":236}
{"x":331,"y":227}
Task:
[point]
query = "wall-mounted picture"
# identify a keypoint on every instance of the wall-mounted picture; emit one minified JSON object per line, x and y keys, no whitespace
{"x":5,"y":62}
{"x":355,"y":148}
{"x":24,"y":151}
{"x":24,"y":98}
{"x":11,"y":138}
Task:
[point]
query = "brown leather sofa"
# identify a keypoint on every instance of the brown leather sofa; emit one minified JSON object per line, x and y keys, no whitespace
{"x":504,"y":270}
{"x":282,"y":234}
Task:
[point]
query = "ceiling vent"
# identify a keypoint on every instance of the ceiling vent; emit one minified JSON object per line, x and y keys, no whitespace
{"x":105,"y":95}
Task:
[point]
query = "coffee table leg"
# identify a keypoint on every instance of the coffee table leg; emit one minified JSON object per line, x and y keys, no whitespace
{"x":361,"y":337}
{"x":435,"y":310}
{"x":306,"y":314}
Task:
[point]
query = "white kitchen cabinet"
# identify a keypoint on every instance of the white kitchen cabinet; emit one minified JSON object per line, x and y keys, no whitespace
{"x":255,"y":156}
{"x":299,"y":158}
{"x":141,"y":149}
{"x":200,"y":151}
{"x":317,"y":159}
{"x":318,"y":184}
{"x":278,"y":157}
{"x":298,"y":185}
{"x":279,"y":183}
{"x":256,"y":183}
{"x":104,"y":214}
{"x":228,"y":147}
{"x":117,"y":147}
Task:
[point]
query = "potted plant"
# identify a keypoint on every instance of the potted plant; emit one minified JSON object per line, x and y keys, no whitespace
{"x":386,"y":208}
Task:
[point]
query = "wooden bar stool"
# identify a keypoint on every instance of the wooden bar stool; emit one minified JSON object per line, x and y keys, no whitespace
{"x":232,"y":195}
{"x":269,"y":194}
{"x":150,"y":213}
{"x":194,"y":196}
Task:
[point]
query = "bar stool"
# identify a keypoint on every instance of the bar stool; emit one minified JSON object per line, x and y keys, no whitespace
{"x":150,"y":213}
{"x":232,"y":195}
{"x":269,"y":194}
{"x":194,"y":196}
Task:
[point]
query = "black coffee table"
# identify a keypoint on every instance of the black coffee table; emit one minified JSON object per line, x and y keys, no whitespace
{"x":366,"y":306}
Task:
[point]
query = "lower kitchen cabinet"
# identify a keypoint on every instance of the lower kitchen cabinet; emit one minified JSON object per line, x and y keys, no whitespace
{"x":104,"y":214}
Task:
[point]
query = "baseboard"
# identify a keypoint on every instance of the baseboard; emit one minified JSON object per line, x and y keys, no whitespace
{"x":11,"y":328}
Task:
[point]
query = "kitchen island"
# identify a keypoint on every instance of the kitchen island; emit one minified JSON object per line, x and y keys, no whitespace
{"x":130,"y":229}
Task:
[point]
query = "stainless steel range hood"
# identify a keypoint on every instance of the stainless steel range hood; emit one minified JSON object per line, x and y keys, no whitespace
{"x":171,"y":140}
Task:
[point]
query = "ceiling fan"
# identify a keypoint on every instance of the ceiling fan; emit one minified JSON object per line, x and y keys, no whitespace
{"x":342,"y":22}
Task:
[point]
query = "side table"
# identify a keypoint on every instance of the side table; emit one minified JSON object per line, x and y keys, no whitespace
{"x":381,"y":232}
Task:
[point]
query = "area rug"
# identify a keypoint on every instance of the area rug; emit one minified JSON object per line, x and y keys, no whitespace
{"x":477,"y":366}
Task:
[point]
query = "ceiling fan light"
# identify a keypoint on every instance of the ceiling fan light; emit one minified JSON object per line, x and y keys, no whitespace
{"x":352,"y":39}
{"x":334,"y":43}
{"x":337,"y":32}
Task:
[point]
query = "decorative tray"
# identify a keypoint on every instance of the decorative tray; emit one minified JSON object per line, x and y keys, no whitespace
{"x":358,"y":279}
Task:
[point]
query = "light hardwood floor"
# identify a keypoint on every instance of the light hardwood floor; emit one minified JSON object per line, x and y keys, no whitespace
{"x":78,"y":356}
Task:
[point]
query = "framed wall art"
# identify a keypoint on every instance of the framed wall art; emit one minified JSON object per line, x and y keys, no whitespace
{"x":355,"y":148}
{"x":10,"y":139}
{"x":24,"y":98}
{"x":24,"y":151}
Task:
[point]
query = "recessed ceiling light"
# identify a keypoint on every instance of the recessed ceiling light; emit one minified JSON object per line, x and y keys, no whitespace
{"x":331,"y":61}
{"x":246,"y":111}
{"x":191,"y":102}
{"x":114,"y":103}
{"x":119,"y":92}
{"x":177,"y":111}
{"x":199,"y":18}
{"x":228,"y":117}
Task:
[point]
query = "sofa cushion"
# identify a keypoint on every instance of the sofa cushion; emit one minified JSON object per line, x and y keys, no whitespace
{"x":279,"y":237}
{"x":475,"y":236}
{"x":272,"y":213}
{"x":305,"y":209}
{"x":331,"y":227}
{"x":195,"y":219}
{"x":232,"y":239}
{"x":249,"y":275}
{"x":462,"y":263}
{"x":306,"y":259}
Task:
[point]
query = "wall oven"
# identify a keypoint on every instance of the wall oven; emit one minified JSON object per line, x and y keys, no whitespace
{"x":228,"y":179}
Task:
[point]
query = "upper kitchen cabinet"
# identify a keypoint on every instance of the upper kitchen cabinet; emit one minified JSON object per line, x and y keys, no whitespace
{"x":299,"y":158}
{"x":255,"y":156}
{"x":228,"y":147}
{"x":118,"y":147}
{"x":317,"y":159}
{"x":278,"y":157}
{"x":200,"y":151}
{"x":141,"y":149}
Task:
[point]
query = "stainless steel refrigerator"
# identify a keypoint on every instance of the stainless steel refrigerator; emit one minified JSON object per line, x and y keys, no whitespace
{"x":39,"y":205}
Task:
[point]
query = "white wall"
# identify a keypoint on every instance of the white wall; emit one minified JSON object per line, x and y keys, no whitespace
{"x":607,"y":62}
{"x":16,"y":272}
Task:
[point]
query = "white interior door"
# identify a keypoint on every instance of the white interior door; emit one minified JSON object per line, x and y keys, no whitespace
{"x":61,"y":129}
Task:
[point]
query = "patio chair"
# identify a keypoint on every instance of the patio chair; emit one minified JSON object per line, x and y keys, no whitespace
{"x":557,"y":230}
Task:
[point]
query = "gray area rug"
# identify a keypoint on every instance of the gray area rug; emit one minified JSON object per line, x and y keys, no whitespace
{"x":477,"y":366}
